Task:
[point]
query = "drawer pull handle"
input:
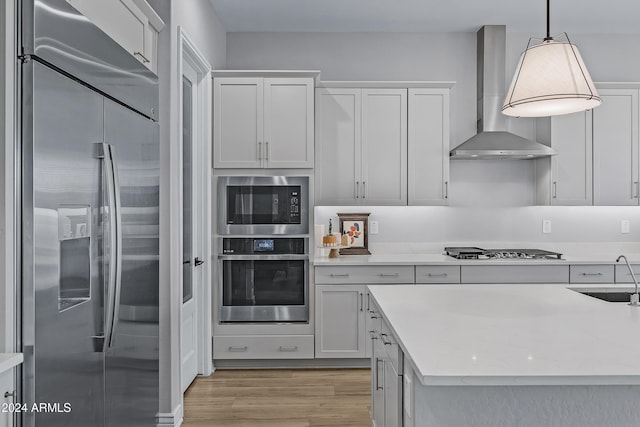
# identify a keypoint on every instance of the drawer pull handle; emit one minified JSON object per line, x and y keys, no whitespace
{"x":385,"y":342}
{"x":437,"y":275}
{"x":11,"y":394}
{"x":288,"y":349}
{"x":339,"y":275}
{"x":389,"y":275}
{"x":238,"y":349}
{"x":373,"y":317}
{"x":144,"y":58}
{"x":591,"y":274}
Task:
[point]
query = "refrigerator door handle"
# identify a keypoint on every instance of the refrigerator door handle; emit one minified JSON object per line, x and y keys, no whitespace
{"x":118,"y":251}
{"x":115,"y":235}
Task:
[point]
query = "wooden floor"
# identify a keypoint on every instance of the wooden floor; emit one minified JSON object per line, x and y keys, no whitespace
{"x":280,"y":398}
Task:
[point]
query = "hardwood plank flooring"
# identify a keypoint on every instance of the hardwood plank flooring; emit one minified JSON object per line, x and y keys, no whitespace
{"x":280,"y":398}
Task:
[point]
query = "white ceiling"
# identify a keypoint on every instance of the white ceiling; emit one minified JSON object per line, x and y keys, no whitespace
{"x":573,"y":16}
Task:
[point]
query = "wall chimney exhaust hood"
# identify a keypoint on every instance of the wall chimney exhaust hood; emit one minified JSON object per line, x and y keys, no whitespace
{"x":493,"y":141}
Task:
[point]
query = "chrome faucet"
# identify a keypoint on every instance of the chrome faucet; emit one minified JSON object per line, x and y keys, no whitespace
{"x":635,"y":298}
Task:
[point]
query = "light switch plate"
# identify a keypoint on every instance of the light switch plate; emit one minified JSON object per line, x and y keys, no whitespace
{"x":373,"y":227}
{"x":546,"y":226}
{"x":625,"y":226}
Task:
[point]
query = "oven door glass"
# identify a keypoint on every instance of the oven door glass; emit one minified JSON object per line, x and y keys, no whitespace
{"x":255,"y":290}
{"x":263,"y":204}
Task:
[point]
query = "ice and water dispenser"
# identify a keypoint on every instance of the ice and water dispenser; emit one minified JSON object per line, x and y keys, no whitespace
{"x":74,"y":236}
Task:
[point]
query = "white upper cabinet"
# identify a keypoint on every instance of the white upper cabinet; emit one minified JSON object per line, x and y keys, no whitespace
{"x":382,"y":146}
{"x":568,"y":181}
{"x":338,"y":158}
{"x":133,"y":24}
{"x":238,"y":122}
{"x":263,"y":122}
{"x":428,"y":147}
{"x":361,"y":152}
{"x":288,"y":123}
{"x":615,"y":148}
{"x":598,"y":154}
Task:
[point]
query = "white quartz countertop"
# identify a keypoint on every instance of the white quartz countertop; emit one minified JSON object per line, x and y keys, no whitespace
{"x":512,"y":334}
{"x":441,"y":259}
{"x":9,"y":361}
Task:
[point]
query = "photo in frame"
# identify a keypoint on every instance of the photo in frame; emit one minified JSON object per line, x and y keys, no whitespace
{"x":356,"y":226}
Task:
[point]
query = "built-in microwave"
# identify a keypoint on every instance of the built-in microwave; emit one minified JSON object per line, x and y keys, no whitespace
{"x":263,"y":205}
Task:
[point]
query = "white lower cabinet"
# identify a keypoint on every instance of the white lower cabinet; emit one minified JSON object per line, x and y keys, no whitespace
{"x":387,"y":368}
{"x":340,"y":321}
{"x":343,"y":310}
{"x":263,"y":347}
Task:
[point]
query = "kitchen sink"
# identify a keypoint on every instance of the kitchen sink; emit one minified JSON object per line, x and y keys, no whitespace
{"x":610,"y":296}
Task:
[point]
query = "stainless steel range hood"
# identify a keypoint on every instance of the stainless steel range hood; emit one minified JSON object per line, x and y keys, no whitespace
{"x":493,"y":141}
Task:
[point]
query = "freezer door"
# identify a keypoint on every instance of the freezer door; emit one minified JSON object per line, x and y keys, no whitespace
{"x":62,"y":285}
{"x":131,"y":373}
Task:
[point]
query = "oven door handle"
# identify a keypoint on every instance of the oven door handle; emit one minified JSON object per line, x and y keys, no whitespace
{"x":271,"y":257}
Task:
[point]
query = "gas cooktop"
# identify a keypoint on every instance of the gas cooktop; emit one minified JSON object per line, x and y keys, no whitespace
{"x":479,"y":253}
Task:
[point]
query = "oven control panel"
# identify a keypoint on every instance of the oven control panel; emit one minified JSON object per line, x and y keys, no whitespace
{"x":263,"y":245}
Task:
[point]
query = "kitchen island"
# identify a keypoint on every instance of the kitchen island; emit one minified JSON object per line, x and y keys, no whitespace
{"x":507,"y":355}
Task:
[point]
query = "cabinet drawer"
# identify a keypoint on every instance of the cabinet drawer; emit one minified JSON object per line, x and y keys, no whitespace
{"x":514,"y":273}
{"x":438,"y":274}
{"x":391,"y":346}
{"x":364,"y":274}
{"x":623,"y":275}
{"x":592,"y":274}
{"x":263,"y":347}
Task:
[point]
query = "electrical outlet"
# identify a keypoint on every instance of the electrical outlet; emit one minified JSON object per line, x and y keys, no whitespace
{"x":625,"y":226}
{"x":546,"y":226}
{"x":373,"y":227}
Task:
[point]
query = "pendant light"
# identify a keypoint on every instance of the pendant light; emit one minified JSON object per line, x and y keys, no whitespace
{"x":551,"y":79}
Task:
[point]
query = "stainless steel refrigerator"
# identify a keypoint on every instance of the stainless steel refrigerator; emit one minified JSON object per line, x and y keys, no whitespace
{"x":90,"y":218}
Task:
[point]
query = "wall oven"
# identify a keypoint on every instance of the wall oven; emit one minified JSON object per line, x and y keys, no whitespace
{"x":264,"y":279}
{"x":263,"y":205}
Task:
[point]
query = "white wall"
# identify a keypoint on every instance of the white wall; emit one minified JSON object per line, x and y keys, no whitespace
{"x":202,"y":26}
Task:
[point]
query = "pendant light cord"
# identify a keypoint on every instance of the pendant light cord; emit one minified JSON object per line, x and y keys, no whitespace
{"x":548,"y":23}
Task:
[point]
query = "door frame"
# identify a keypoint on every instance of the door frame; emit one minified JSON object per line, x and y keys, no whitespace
{"x":201,"y":147}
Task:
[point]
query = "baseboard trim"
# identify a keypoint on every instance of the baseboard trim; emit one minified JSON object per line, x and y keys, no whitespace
{"x":173,"y":419}
{"x":291,"y":363}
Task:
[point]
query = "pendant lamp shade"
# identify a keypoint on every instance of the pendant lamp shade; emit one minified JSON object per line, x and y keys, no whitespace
{"x":551,"y":79}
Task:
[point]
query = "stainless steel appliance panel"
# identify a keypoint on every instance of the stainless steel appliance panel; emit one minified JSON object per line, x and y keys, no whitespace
{"x":253,"y":211}
{"x":86,"y":53}
{"x":62,"y":353}
{"x":131,"y":365}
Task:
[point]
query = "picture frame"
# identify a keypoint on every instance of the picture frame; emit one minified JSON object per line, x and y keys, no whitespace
{"x":357,"y":224}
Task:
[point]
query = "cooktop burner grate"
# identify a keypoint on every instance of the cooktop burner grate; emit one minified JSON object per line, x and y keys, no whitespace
{"x":479,"y":253}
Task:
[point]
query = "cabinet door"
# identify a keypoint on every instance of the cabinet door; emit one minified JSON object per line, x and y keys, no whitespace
{"x":572,"y":167}
{"x":124,"y":22}
{"x":288,"y":123}
{"x":338,"y":150}
{"x":377,"y":383}
{"x":392,"y":396}
{"x":238,"y":122}
{"x":428,"y":147}
{"x":384,"y":147}
{"x":615,"y":148}
{"x":340,"y":321}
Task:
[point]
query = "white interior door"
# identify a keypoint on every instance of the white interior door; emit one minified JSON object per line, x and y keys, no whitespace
{"x":191,"y":279}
